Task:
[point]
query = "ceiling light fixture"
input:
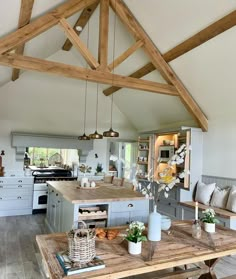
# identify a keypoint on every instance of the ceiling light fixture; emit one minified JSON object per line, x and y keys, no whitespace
{"x":96,"y":135}
{"x":84,"y":136}
{"x":111,"y":133}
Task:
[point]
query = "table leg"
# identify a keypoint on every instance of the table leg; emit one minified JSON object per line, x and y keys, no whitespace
{"x":211,"y":274}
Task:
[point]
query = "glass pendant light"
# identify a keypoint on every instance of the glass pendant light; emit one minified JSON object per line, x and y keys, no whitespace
{"x":96,"y":135}
{"x":111,"y":133}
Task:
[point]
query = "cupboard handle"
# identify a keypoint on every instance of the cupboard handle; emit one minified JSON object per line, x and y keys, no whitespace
{"x":127,"y":222}
{"x":46,"y":192}
{"x":19,"y":186}
{"x":20,"y":181}
{"x":56,"y":194}
{"x":18,"y":198}
{"x":1,"y":186}
{"x":130,"y":205}
{"x":169,"y":203}
{"x":0,"y":198}
{"x":58,"y":201}
{"x":53,"y":206}
{"x":52,"y":191}
{"x":1,"y":181}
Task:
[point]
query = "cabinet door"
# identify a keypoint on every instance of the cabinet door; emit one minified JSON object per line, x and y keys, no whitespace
{"x":140,"y":216}
{"x":119,"y":218}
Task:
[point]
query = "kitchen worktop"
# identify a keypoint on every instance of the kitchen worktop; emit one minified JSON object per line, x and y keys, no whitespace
{"x":71,"y":191}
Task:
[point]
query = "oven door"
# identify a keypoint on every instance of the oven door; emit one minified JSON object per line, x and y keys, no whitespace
{"x":40,"y":199}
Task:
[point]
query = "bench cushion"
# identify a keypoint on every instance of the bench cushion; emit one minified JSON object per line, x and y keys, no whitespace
{"x":231,"y":204}
{"x":204,"y":192}
{"x":220,"y":197}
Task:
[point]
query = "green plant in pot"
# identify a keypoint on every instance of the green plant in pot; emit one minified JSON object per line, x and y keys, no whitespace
{"x":135,"y":237}
{"x":209,"y":220}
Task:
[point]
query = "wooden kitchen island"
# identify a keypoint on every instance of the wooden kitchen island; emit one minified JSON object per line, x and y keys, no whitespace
{"x":111,"y":205}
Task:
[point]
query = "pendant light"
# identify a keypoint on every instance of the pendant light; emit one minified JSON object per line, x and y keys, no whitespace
{"x":96,"y":135}
{"x":84,"y":136}
{"x":111,"y":133}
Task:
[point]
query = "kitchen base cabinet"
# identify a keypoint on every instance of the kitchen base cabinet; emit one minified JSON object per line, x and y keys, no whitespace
{"x":124,"y":212}
{"x":16,"y":196}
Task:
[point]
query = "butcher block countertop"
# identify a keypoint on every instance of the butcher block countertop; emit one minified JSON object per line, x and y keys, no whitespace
{"x":71,"y":191}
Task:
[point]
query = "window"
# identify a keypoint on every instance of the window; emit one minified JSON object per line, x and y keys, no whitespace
{"x":43,"y":157}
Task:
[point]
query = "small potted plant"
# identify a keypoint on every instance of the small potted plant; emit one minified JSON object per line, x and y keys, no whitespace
{"x":135,"y":237}
{"x":84,"y":169}
{"x":209,"y":220}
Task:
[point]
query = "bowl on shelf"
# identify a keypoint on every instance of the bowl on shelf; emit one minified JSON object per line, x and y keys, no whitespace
{"x":165,"y":222}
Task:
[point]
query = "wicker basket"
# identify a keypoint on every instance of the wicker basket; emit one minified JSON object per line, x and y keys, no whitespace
{"x":82,"y":244}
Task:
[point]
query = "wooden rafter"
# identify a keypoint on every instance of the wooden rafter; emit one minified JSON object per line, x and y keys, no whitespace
{"x":24,"y":19}
{"x":103,"y":34}
{"x":42,"y":24}
{"x":60,"y":69}
{"x":158,"y":61}
{"x":82,"y":21}
{"x":77,"y":42}
{"x":125,"y":55}
{"x":201,"y":37}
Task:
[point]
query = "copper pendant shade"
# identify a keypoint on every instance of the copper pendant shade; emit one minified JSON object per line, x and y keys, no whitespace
{"x":111,"y":134}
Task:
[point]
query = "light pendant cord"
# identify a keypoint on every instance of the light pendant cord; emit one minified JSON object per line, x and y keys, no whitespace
{"x":97,"y":109}
{"x":113,"y":68}
{"x":85,"y":104}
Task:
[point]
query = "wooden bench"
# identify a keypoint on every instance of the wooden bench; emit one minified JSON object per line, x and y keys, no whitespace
{"x":226,"y":218}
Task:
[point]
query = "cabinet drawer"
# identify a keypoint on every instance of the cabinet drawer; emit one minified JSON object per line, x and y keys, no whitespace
{"x":16,"y":202}
{"x":130,"y":206}
{"x":13,"y":192}
{"x":4,"y":187}
{"x":16,"y":180}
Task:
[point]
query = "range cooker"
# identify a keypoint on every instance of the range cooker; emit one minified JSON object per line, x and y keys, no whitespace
{"x":41,"y":176}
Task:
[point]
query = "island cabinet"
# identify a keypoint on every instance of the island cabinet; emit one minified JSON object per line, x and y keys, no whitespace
{"x":16,"y":196}
{"x":104,"y":206}
{"x":124,"y":212}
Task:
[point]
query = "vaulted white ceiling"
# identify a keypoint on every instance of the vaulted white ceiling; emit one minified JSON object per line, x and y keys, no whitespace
{"x":47,"y":104}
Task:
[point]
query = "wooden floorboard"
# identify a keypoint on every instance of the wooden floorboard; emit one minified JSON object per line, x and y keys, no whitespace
{"x":20,"y":258}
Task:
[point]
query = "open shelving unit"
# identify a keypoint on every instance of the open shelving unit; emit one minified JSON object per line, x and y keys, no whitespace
{"x":94,"y":216}
{"x":143,"y":158}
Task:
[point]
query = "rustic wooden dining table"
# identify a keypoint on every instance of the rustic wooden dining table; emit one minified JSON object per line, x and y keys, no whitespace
{"x":177,"y":255}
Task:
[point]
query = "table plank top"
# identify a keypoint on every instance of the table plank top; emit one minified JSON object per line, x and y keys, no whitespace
{"x":72,"y":192}
{"x":177,"y":247}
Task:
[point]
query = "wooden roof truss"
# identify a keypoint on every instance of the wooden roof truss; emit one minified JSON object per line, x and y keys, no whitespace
{"x":12,"y":49}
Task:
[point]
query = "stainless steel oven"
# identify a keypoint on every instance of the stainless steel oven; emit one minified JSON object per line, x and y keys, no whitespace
{"x":41,"y":176}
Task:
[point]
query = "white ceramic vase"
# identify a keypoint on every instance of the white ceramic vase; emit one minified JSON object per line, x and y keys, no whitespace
{"x":134,"y":248}
{"x":154,"y":225}
{"x":210,"y":227}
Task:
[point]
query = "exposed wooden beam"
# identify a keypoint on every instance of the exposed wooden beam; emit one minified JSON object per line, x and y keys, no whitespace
{"x":103,"y":34}
{"x":40,"y":65}
{"x":138,"y":74}
{"x":24,"y":19}
{"x":196,"y":40}
{"x":78,"y":43}
{"x":82,"y":21}
{"x":42,"y":24}
{"x":125,"y":55}
{"x":158,"y":61}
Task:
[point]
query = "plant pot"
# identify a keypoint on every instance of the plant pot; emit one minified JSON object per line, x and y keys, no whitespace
{"x":134,"y":248}
{"x":210,"y":227}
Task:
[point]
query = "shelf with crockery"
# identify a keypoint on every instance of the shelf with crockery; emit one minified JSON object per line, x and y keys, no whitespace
{"x":143,"y":161}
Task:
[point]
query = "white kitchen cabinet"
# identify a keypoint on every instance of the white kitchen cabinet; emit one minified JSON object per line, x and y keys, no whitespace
{"x":16,"y":196}
{"x":54,"y":209}
{"x":124,"y":212}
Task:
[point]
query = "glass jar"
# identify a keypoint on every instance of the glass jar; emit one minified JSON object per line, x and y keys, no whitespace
{"x":196,"y":229}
